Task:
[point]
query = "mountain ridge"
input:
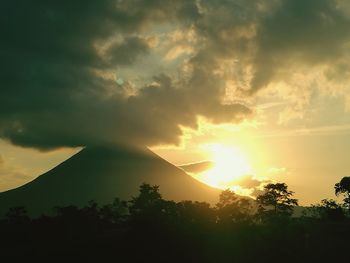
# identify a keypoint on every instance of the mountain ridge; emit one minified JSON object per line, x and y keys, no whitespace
{"x":102,"y":173}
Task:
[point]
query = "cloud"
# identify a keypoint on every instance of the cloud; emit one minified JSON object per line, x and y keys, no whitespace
{"x":319,"y":131}
{"x":176,"y":51}
{"x":55,"y":59}
{"x":126,"y":51}
{"x":175,"y":61}
{"x":198,"y":167}
{"x":248,"y":181}
{"x":299,"y":32}
{"x":248,"y":185}
{"x":244,"y":185}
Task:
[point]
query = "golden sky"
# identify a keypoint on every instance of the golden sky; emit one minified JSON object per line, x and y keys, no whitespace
{"x":262,"y":83}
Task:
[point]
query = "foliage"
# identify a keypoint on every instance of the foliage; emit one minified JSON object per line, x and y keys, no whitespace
{"x":17,"y":215}
{"x":276,"y":202}
{"x":195,"y":212}
{"x":114,"y":212}
{"x":328,"y":209}
{"x":232,"y":209}
{"x":148,"y":228}
{"x":343,"y":187}
{"x":149,"y":205}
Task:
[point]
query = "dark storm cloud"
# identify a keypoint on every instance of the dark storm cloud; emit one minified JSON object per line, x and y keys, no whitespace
{"x":55,"y":57}
{"x":126,"y":52}
{"x":270,"y":36}
{"x":52,"y":94}
{"x":309,"y":32}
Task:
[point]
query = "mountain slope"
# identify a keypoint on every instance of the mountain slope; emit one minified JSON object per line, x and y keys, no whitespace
{"x":101,"y":174}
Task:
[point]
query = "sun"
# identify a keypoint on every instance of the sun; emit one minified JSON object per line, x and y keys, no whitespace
{"x":229,"y":164}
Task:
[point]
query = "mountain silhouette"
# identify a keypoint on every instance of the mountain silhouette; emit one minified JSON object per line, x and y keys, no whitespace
{"x":102,"y":174}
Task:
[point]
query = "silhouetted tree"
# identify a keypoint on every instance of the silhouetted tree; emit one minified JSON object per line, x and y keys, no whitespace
{"x":114,"y":212}
{"x":69,"y":212}
{"x":195,"y":212}
{"x":231,"y":208}
{"x":91,"y":210}
{"x":148,"y":199}
{"x":17,"y":215}
{"x":149,"y":205}
{"x":151,"y":229}
{"x":276,"y":202}
{"x":343,"y":187}
{"x":328,"y":209}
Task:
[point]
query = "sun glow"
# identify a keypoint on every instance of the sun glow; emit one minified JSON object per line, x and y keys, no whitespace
{"x":229,"y":164}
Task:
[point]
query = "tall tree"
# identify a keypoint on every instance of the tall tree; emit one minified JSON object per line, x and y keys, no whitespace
{"x":276,"y":201}
{"x":148,"y":199}
{"x":150,"y":206}
{"x":343,"y":187}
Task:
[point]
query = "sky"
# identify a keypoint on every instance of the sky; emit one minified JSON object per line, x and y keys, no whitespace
{"x":268,"y":78}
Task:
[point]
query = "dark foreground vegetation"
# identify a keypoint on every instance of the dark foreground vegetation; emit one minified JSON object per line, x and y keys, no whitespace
{"x":151,"y":229}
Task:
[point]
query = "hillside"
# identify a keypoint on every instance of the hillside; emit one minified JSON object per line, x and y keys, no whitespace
{"x":101,"y":174}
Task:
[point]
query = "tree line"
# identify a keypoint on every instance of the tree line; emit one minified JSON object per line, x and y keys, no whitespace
{"x":152,"y":229}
